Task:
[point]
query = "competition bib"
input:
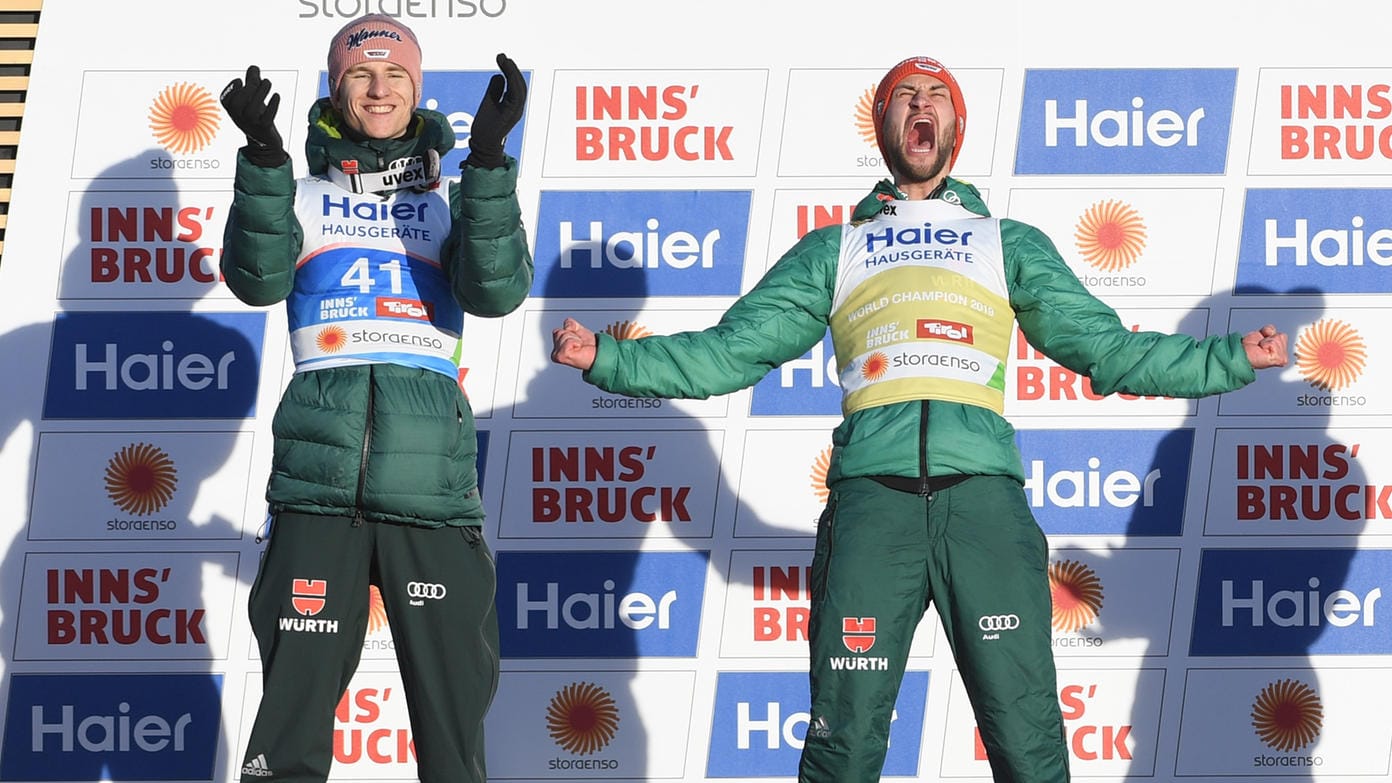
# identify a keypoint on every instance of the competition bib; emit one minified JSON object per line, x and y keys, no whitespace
{"x":921,"y":309}
{"x":369,"y":287}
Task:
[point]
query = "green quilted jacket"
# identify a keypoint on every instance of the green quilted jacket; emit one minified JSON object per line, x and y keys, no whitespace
{"x":787,"y":313}
{"x":378,"y":442}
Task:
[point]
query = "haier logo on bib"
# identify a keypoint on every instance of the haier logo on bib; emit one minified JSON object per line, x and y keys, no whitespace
{"x":1094,"y":482}
{"x":762,"y":721}
{"x":1292,"y":602}
{"x":600,"y":604}
{"x":641,"y":243}
{"x":1135,"y":121}
{"x":146,"y":365}
{"x":112,"y":727}
{"x":1333,"y":241}
{"x":806,"y":386}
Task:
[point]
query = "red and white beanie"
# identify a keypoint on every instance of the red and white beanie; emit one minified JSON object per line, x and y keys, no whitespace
{"x":905,"y":69}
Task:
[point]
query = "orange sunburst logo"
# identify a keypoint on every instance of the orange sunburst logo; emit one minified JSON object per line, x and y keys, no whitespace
{"x":331,"y":339}
{"x":626,"y":330}
{"x":184,"y":118}
{"x":1110,"y":235}
{"x":1330,"y":354}
{"x":1287,"y":715}
{"x":582,"y":718}
{"x":875,"y":366}
{"x":865,"y":116}
{"x":140,"y":479}
{"x":820,"y":466}
{"x":376,"y":610}
{"x":1077,"y":595}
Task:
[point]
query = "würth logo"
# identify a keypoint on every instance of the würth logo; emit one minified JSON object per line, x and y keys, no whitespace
{"x":858,"y":633}
{"x":307,"y":596}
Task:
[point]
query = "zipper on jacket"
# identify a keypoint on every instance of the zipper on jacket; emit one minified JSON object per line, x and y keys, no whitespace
{"x":925,"y":488}
{"x":366,"y":448}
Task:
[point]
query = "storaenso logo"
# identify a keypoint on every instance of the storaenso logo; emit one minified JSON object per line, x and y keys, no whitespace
{"x":407,"y":10}
{"x":998,"y":622}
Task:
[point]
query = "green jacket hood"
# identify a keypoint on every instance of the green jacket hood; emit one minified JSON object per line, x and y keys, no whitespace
{"x":327,"y":143}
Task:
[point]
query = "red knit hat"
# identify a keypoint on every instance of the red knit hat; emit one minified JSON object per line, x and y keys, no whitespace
{"x":905,"y":69}
{"x":374,"y":38}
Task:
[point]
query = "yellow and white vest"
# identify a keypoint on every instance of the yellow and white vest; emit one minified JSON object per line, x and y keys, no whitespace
{"x":921,"y":309}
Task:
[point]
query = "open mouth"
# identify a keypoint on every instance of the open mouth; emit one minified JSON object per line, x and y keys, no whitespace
{"x":922,"y":135}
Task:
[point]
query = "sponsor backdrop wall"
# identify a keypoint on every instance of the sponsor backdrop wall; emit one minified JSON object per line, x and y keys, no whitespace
{"x":1218,"y":566}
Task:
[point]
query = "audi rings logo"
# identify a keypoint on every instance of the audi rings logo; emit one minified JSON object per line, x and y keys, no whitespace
{"x":419,"y":591}
{"x":998,"y":622}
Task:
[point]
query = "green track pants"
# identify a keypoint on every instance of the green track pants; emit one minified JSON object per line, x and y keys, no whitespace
{"x":309,"y":612}
{"x":882,"y":556}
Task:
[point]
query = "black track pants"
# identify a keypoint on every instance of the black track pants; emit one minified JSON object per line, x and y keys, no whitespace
{"x":309,"y":611}
{"x":882,"y":556}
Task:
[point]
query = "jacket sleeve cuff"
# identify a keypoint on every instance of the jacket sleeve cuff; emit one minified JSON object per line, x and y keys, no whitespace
{"x":601,"y":373}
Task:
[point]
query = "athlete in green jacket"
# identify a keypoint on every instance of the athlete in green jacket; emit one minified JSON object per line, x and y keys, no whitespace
{"x":374,"y":481}
{"x":921,"y":292}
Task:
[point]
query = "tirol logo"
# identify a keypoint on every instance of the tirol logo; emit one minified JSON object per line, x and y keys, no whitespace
{"x":1110,"y":235}
{"x":1287,"y":715}
{"x":952,"y":331}
{"x":154,"y":365}
{"x":117,"y":727}
{"x":1330,"y":354}
{"x":820,"y":465}
{"x":184,"y":118}
{"x":600,"y":604}
{"x":307,"y":596}
{"x":1076,"y":593}
{"x":388,"y":307}
{"x":641,"y":243}
{"x":1125,"y":121}
{"x":141,"y":479}
{"x":582,"y":718}
{"x":858,"y":633}
{"x":1335,"y":241}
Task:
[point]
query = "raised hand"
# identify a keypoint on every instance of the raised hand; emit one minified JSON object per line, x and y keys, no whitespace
{"x":500,"y":110}
{"x":246,"y":103}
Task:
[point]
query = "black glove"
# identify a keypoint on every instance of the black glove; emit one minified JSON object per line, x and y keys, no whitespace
{"x":497,"y":113}
{"x":246,"y":104}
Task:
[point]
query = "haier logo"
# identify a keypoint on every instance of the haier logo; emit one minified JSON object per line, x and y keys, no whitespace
{"x":761,"y":722}
{"x":1135,"y":121}
{"x":600,"y":604}
{"x":1291,"y":602}
{"x":147,"y":365}
{"x":1096,"y":482}
{"x":1331,"y":241}
{"x":456,"y":94}
{"x":806,"y":386}
{"x":641,"y":243}
{"x":111,"y":727}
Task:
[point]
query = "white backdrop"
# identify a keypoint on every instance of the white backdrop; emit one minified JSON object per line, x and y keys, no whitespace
{"x":1218,"y":565}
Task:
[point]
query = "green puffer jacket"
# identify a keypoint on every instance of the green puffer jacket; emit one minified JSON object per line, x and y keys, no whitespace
{"x":787,"y":313}
{"x":380,"y":442}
